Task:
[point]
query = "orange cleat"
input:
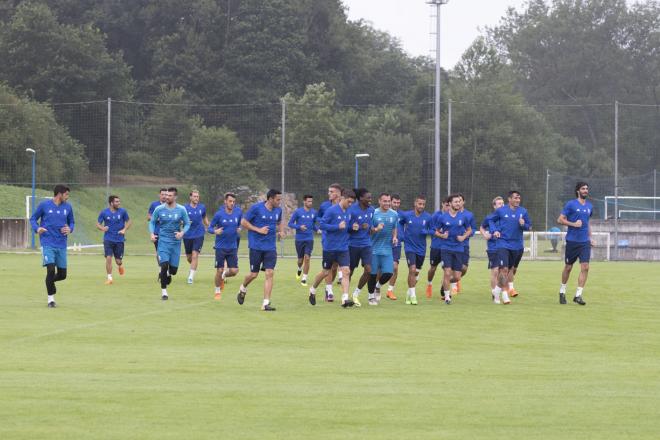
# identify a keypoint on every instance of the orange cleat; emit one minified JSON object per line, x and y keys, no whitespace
{"x":390,"y":295}
{"x":121,"y":270}
{"x":513,"y":293}
{"x":429,"y":291}
{"x":218,"y":296}
{"x":108,"y":282}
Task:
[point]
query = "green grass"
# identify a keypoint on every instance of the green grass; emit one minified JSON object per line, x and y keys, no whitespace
{"x":116,"y":362}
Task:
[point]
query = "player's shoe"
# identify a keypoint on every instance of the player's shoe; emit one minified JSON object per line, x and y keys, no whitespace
{"x":579,"y":300}
{"x":217,"y":296}
{"x":505,"y":298}
{"x":298,"y":275}
{"x":391,"y":295}
{"x":121,"y":269}
{"x":190,"y":281}
{"x":268,"y":308}
{"x":496,"y":298}
{"x":312,"y":298}
{"x":164,"y":297}
{"x":513,"y":293}
{"x":347,"y":303}
{"x":429,"y":291}
{"x":356,"y":301}
{"x":408,"y":300}
{"x":108,"y":282}
{"x":329,"y":297}
{"x":241,"y":297}
{"x":338,"y":281}
{"x":448,"y":300}
{"x":52,"y":305}
{"x":378,"y":297}
{"x":413,"y":300}
{"x":303,"y":283}
{"x":373,"y":302}
{"x":562,"y":298}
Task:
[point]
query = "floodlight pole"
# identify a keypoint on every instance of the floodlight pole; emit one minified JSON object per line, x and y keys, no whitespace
{"x":358,"y":156}
{"x":34,"y":187}
{"x":436,"y":155}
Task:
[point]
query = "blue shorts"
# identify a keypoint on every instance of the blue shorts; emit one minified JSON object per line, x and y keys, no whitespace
{"x":342,"y":259}
{"x":509,"y":258}
{"x":169,"y":253}
{"x":396,"y":254}
{"x":304,"y":247}
{"x":228,"y":255}
{"x":465,"y":257}
{"x":382,"y":264}
{"x":453,"y":260}
{"x":113,"y":248}
{"x":436,"y":257}
{"x":56,"y":256}
{"x":414,"y":259}
{"x":360,"y":254}
{"x":493,"y":260}
{"x":262,"y":260}
{"x":193,"y":244}
{"x":575,"y":250}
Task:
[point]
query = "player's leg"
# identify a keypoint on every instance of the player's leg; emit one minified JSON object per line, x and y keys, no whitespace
{"x":118,"y":251}
{"x":503,"y":274}
{"x":495,"y":290}
{"x":513,"y":270}
{"x":256,"y":260}
{"x":364,"y":256}
{"x":435,"y":258}
{"x":396,"y":255}
{"x":270,"y":260}
{"x":300,"y":253}
{"x":385,"y":272}
{"x":326,"y":267}
{"x":107,"y":252}
{"x":343,"y":264}
{"x":329,"y":279}
{"x":49,"y":264}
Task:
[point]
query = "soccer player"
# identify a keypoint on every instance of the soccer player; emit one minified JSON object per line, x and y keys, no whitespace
{"x":334,"y":224}
{"x":575,"y":216}
{"x":114,"y":222}
{"x":304,"y":221}
{"x":453,"y":228}
{"x":396,"y":248}
{"x":162,"y":199}
{"x":193,"y":240}
{"x":173,"y":222}
{"x":416,"y":228}
{"x":264,"y":224}
{"x":507,"y":225}
{"x":383,"y":236}
{"x":225,"y":226}
{"x":491,"y":251}
{"x":469,"y":216}
{"x":334,"y":194}
{"x":359,"y":242}
{"x":435,"y":257}
{"x":53,"y":221}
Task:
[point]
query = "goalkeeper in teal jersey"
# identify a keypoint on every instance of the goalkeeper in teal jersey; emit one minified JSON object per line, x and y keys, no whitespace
{"x":383,"y":236}
{"x":169,"y":217}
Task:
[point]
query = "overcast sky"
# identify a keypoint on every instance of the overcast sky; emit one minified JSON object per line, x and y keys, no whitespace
{"x":410,"y":21}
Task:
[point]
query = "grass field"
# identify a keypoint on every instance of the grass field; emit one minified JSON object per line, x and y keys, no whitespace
{"x":114,"y":362}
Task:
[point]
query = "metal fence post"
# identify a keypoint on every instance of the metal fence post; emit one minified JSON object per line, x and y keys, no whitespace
{"x":449,"y":147}
{"x":616,"y":180}
{"x":107,"y":165}
{"x":283,"y":141}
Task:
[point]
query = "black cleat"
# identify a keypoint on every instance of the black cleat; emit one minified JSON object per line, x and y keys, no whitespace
{"x":52,"y":305}
{"x":240,"y":297}
{"x":268,"y":308}
{"x":562,"y":298}
{"x":347,"y":303}
{"x":164,"y":298}
{"x":312,"y":299}
{"x":579,"y":300}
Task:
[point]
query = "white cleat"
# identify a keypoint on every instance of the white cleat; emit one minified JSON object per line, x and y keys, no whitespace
{"x":505,"y":298}
{"x":496,"y":299}
{"x":190,"y":280}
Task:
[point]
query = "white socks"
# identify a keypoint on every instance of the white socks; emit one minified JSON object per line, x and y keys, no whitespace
{"x":328,"y":288}
{"x":191,"y":275}
{"x":110,"y":276}
{"x":304,"y":277}
{"x":562,"y":288}
{"x":217,"y":290}
{"x":454,"y":286}
{"x":312,"y":290}
{"x":243,"y":289}
{"x":356,"y":292}
{"x":164,"y":293}
{"x":266,"y":302}
{"x":510,"y":286}
{"x":579,"y":291}
{"x":344,"y":297}
{"x":51,"y":298}
{"x":378,"y":286}
{"x":390,"y":288}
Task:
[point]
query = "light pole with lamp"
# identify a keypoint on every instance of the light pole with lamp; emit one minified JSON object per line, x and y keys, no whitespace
{"x":357,"y":157}
{"x":34,"y":189}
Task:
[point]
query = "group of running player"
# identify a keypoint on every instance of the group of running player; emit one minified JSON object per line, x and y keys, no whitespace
{"x":353,"y":234}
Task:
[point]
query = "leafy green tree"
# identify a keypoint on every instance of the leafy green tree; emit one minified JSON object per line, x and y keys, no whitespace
{"x":25,"y":123}
{"x":214,"y":163}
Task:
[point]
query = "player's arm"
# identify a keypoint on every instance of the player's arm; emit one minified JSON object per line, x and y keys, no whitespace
{"x":70,"y":223}
{"x":466,"y":234}
{"x":127,"y":223}
{"x":152,"y":224}
{"x":35,"y":218}
{"x":395,"y":235}
{"x":185,"y":218}
{"x":526,"y":223}
{"x":473,"y":226}
{"x":99,"y":222}
{"x":493,"y":224}
{"x":326,"y":223}
{"x":246,"y":222}
{"x":293,"y":221}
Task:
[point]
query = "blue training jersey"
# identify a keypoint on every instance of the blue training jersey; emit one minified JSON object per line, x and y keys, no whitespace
{"x":53,"y":217}
{"x":456,"y":225}
{"x":469,"y":218}
{"x":381,"y":241}
{"x":335,"y":239}
{"x":301,"y":217}
{"x":417,"y":228}
{"x":230,"y":222}
{"x":491,"y":245}
{"x":574,"y":211}
{"x":152,"y":208}
{"x":436,"y":223}
{"x":259,"y":216}
{"x":115,"y":221}
{"x":361,"y":217}
{"x":507,"y":221}
{"x":170,"y":221}
{"x":196,"y":216}
{"x":400,"y":231}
